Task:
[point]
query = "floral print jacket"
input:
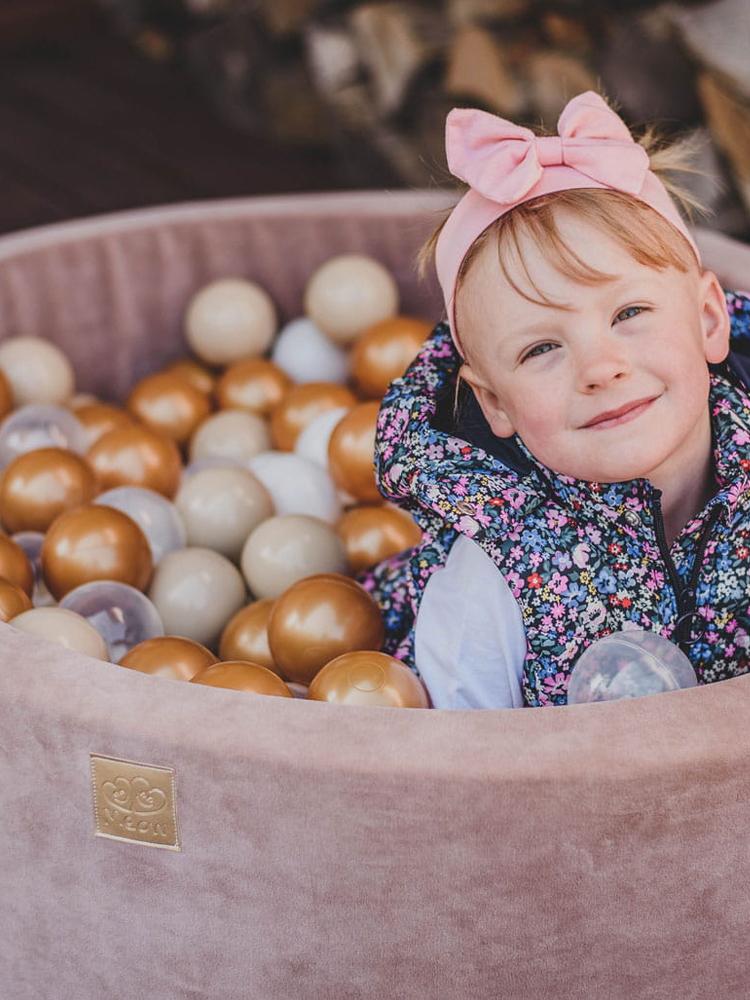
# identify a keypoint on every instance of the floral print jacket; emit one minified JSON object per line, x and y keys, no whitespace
{"x":581,"y":558}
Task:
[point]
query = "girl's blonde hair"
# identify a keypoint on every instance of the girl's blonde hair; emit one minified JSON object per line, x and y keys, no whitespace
{"x":642,"y":231}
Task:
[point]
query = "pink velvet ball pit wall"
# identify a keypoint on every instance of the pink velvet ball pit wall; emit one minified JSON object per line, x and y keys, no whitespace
{"x":333,"y":853}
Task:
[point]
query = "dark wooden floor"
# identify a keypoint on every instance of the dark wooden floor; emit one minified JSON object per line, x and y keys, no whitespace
{"x":88,"y":125}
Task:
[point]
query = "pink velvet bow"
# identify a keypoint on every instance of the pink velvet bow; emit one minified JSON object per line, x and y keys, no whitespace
{"x":503,"y":161}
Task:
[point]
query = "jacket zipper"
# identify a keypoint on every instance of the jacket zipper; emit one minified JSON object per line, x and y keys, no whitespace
{"x":685,"y":596}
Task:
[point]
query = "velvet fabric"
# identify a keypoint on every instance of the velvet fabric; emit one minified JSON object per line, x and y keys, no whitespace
{"x":333,"y":853}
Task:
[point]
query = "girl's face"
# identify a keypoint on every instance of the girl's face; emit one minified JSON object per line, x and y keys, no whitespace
{"x":548,"y":373}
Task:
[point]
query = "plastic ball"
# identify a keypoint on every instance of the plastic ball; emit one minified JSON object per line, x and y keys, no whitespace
{"x":37,"y":370}
{"x":63,"y":627}
{"x":629,"y":664}
{"x":297,"y":486}
{"x":305,"y":354}
{"x":122,"y":615}
{"x":137,"y":456}
{"x":384,"y":352}
{"x":99,"y":419}
{"x":81,"y":399}
{"x":230,"y":319}
{"x":196,"y":591}
{"x":94,"y":543}
{"x":301,"y":406}
{"x":371,"y":534}
{"x":6,"y":396}
{"x":170,"y":656}
{"x":13,"y":600}
{"x":351,"y":453}
{"x":245,"y":636}
{"x":31,"y":542}
{"x":255,"y":385}
{"x":348,"y":294}
{"x":198,"y":376}
{"x":168,"y":403}
{"x":41,"y":484}
{"x":209,"y":462}
{"x":40,"y":426}
{"x":240,"y":675}
{"x":368,"y":678}
{"x":15,"y":565}
{"x":318,"y":619}
{"x":220,"y":507}
{"x":312,"y":444}
{"x":285,"y":549}
{"x":233,"y":434}
{"x":157,"y":517}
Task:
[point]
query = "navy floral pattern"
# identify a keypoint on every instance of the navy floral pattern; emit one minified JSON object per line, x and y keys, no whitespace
{"x":582,"y":558}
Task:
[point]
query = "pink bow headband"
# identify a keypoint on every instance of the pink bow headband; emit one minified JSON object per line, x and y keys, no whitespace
{"x":507,"y":164}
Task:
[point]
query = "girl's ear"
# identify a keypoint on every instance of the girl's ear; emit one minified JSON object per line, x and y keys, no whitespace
{"x":500,"y":422}
{"x":715,"y":322}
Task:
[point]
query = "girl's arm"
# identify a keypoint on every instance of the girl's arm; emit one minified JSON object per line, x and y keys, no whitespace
{"x":470,"y":643}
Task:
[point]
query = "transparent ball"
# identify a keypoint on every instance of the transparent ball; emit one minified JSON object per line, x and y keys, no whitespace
{"x":629,"y":664}
{"x":304,"y":352}
{"x":40,"y":426}
{"x":122,"y":615}
{"x":31,"y":543}
{"x":297,"y":485}
{"x":157,"y":517}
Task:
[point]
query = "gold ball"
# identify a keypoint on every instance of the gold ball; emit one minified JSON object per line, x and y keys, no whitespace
{"x":6,"y":396}
{"x":384,"y":352}
{"x":245,"y":636}
{"x":13,"y":601}
{"x":168,"y":403}
{"x":239,"y":675}
{"x":320,"y":618}
{"x":99,"y":419}
{"x":39,"y":485}
{"x":368,"y":678}
{"x":371,"y":534}
{"x":255,"y":384}
{"x":94,"y":542}
{"x":351,"y":453}
{"x":198,"y":376}
{"x":15,"y":565}
{"x":137,"y":456}
{"x":301,"y":405}
{"x":169,"y":656}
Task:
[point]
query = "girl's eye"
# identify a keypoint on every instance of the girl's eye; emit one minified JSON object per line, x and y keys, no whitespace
{"x":633,"y":310}
{"x":531,"y":353}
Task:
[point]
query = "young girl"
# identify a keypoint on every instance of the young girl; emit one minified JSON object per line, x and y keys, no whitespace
{"x":598,"y":475}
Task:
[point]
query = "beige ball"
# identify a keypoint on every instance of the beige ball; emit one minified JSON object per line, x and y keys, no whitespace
{"x":196,"y":591}
{"x":37,"y":370}
{"x":64,"y":627}
{"x":348,"y":294}
{"x":220,"y":507}
{"x":230,"y":319}
{"x":233,"y":434}
{"x":285,"y":549}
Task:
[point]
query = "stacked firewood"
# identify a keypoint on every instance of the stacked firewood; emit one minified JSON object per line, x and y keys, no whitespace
{"x":382,"y":75}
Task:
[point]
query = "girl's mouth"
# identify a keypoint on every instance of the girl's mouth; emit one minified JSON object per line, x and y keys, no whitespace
{"x":623,"y":418}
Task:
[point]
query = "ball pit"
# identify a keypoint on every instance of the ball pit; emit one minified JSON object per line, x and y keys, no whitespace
{"x":327,"y":850}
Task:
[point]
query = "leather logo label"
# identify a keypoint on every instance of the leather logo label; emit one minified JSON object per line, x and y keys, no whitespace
{"x":134,"y":802}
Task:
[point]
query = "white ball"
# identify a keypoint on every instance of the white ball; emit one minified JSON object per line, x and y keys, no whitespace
{"x":40,"y":425}
{"x":286,"y":549}
{"x":307,"y":355}
{"x":232,"y":434}
{"x":64,"y":627}
{"x":220,"y":507}
{"x":196,"y":591}
{"x":296,"y":485}
{"x":157,"y":517}
{"x":312,"y":443}
{"x":230,"y":319}
{"x":349,"y":293}
{"x":37,"y":370}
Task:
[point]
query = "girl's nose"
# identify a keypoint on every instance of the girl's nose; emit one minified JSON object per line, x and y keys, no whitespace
{"x":601,"y":363}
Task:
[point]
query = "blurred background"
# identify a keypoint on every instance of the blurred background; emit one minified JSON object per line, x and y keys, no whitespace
{"x":114,"y":104}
